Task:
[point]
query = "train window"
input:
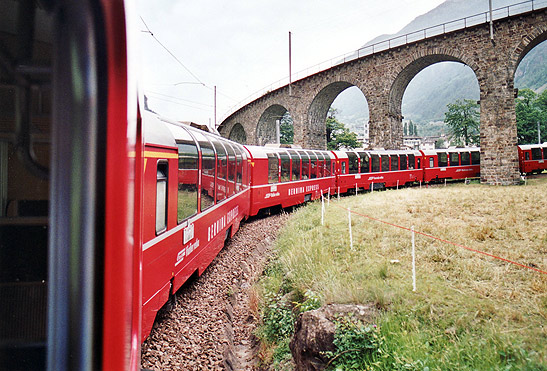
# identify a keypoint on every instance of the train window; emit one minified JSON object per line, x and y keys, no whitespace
{"x":295,"y":168}
{"x":285,"y":167}
{"x":454,"y":159}
{"x":161,"y":197}
{"x":442,"y":158}
{"x":364,"y":164}
{"x":465,"y":158}
{"x":375,"y":163}
{"x":385,"y":163}
{"x":221,"y":170}
{"x":343,"y":169}
{"x":431,"y":162}
{"x":231,"y":169}
{"x":187,"y":204}
{"x":353,"y":162}
{"x":313,"y":164}
{"x":273,"y":168}
{"x":411,"y":162}
{"x":239,"y":168}
{"x":320,"y":162}
{"x":328,"y":165}
{"x":394,"y":162}
{"x":305,"y":165}
{"x":403,"y":162}
{"x":207,"y":175}
{"x":536,"y":153}
{"x":527,"y":156}
{"x":475,"y":158}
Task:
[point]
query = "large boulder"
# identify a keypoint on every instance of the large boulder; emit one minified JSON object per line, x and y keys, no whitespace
{"x":314,"y":333}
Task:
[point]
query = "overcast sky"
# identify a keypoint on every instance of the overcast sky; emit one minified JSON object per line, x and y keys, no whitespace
{"x":241,"y":46}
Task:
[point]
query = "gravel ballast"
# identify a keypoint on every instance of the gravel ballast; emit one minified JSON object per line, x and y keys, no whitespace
{"x":211,"y":323}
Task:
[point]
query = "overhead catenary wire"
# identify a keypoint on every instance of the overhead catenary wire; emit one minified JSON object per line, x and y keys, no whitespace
{"x":199,"y":81}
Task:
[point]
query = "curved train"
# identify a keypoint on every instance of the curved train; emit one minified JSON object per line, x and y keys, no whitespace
{"x":105,"y":212}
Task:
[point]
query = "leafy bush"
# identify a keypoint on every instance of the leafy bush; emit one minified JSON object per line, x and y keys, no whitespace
{"x":358,"y":346}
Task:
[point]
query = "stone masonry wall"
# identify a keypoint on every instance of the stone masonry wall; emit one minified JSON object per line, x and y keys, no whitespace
{"x":383,"y":78}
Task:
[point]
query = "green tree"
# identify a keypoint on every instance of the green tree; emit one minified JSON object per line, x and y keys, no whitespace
{"x":463,"y":121}
{"x":338,"y":136}
{"x":286,"y":129}
{"x":530,"y":109}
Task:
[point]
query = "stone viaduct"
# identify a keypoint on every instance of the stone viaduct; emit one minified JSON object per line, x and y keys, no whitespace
{"x":383,"y":77}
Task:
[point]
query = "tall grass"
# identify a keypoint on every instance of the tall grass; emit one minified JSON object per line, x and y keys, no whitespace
{"x":470,"y":311}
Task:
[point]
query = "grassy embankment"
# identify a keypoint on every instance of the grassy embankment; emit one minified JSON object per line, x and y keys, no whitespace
{"x":470,"y":311}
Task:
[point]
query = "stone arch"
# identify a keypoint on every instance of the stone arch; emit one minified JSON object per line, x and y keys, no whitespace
{"x":529,"y":42}
{"x":237,"y":134}
{"x":266,"y":127}
{"x":318,"y":110}
{"x":411,"y":69}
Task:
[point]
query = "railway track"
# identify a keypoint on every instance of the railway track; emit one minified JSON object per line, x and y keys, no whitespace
{"x":210,"y":324}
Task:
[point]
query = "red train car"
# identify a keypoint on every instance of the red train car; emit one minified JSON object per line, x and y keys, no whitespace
{"x":285,"y":177}
{"x":377,"y":169}
{"x":453,"y":163}
{"x":68,"y":134}
{"x":532,"y":158}
{"x":196,"y":193}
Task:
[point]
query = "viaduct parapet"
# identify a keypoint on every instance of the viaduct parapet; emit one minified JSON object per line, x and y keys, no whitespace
{"x":383,"y":78}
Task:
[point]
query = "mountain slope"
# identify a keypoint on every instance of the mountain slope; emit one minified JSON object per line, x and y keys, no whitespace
{"x":427,"y":95}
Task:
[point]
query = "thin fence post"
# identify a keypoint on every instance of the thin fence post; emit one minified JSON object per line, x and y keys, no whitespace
{"x":350,"y":234}
{"x":372,"y":187}
{"x":413,"y":261}
{"x":397,"y":184}
{"x":328,"y":198}
{"x":356,"y":189}
{"x":338,"y":193}
{"x":322,"y":209}
{"x":420,"y":184}
{"x":445,"y":182}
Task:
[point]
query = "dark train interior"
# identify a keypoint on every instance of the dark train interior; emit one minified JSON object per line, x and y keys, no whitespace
{"x":25,"y":116}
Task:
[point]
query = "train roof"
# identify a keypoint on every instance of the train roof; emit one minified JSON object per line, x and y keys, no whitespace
{"x":530,"y":146}
{"x":431,"y":152}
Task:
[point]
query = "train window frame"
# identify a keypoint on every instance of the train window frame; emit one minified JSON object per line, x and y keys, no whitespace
{"x":475,"y":158}
{"x":162,"y":180}
{"x":384,"y":165}
{"x":273,"y":167}
{"x":220,"y":194}
{"x":396,"y":157}
{"x":412,"y":161}
{"x":313,"y":164}
{"x":305,"y":168}
{"x":295,"y":166}
{"x":231,"y":167}
{"x":431,"y":162}
{"x":375,"y":163}
{"x":403,"y":162}
{"x":353,"y":162}
{"x":536,"y":153}
{"x":442,"y":159}
{"x":285,"y":167}
{"x":188,"y":160}
{"x":364,"y":158}
{"x":208,"y":156}
{"x":451,"y":159}
{"x":465,"y":158}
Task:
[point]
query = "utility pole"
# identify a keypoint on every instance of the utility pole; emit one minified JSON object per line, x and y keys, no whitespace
{"x":290,"y":64}
{"x":539,"y":134}
{"x":491,"y":21}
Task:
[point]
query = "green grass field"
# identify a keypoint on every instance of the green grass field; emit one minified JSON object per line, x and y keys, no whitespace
{"x":469,"y":312}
